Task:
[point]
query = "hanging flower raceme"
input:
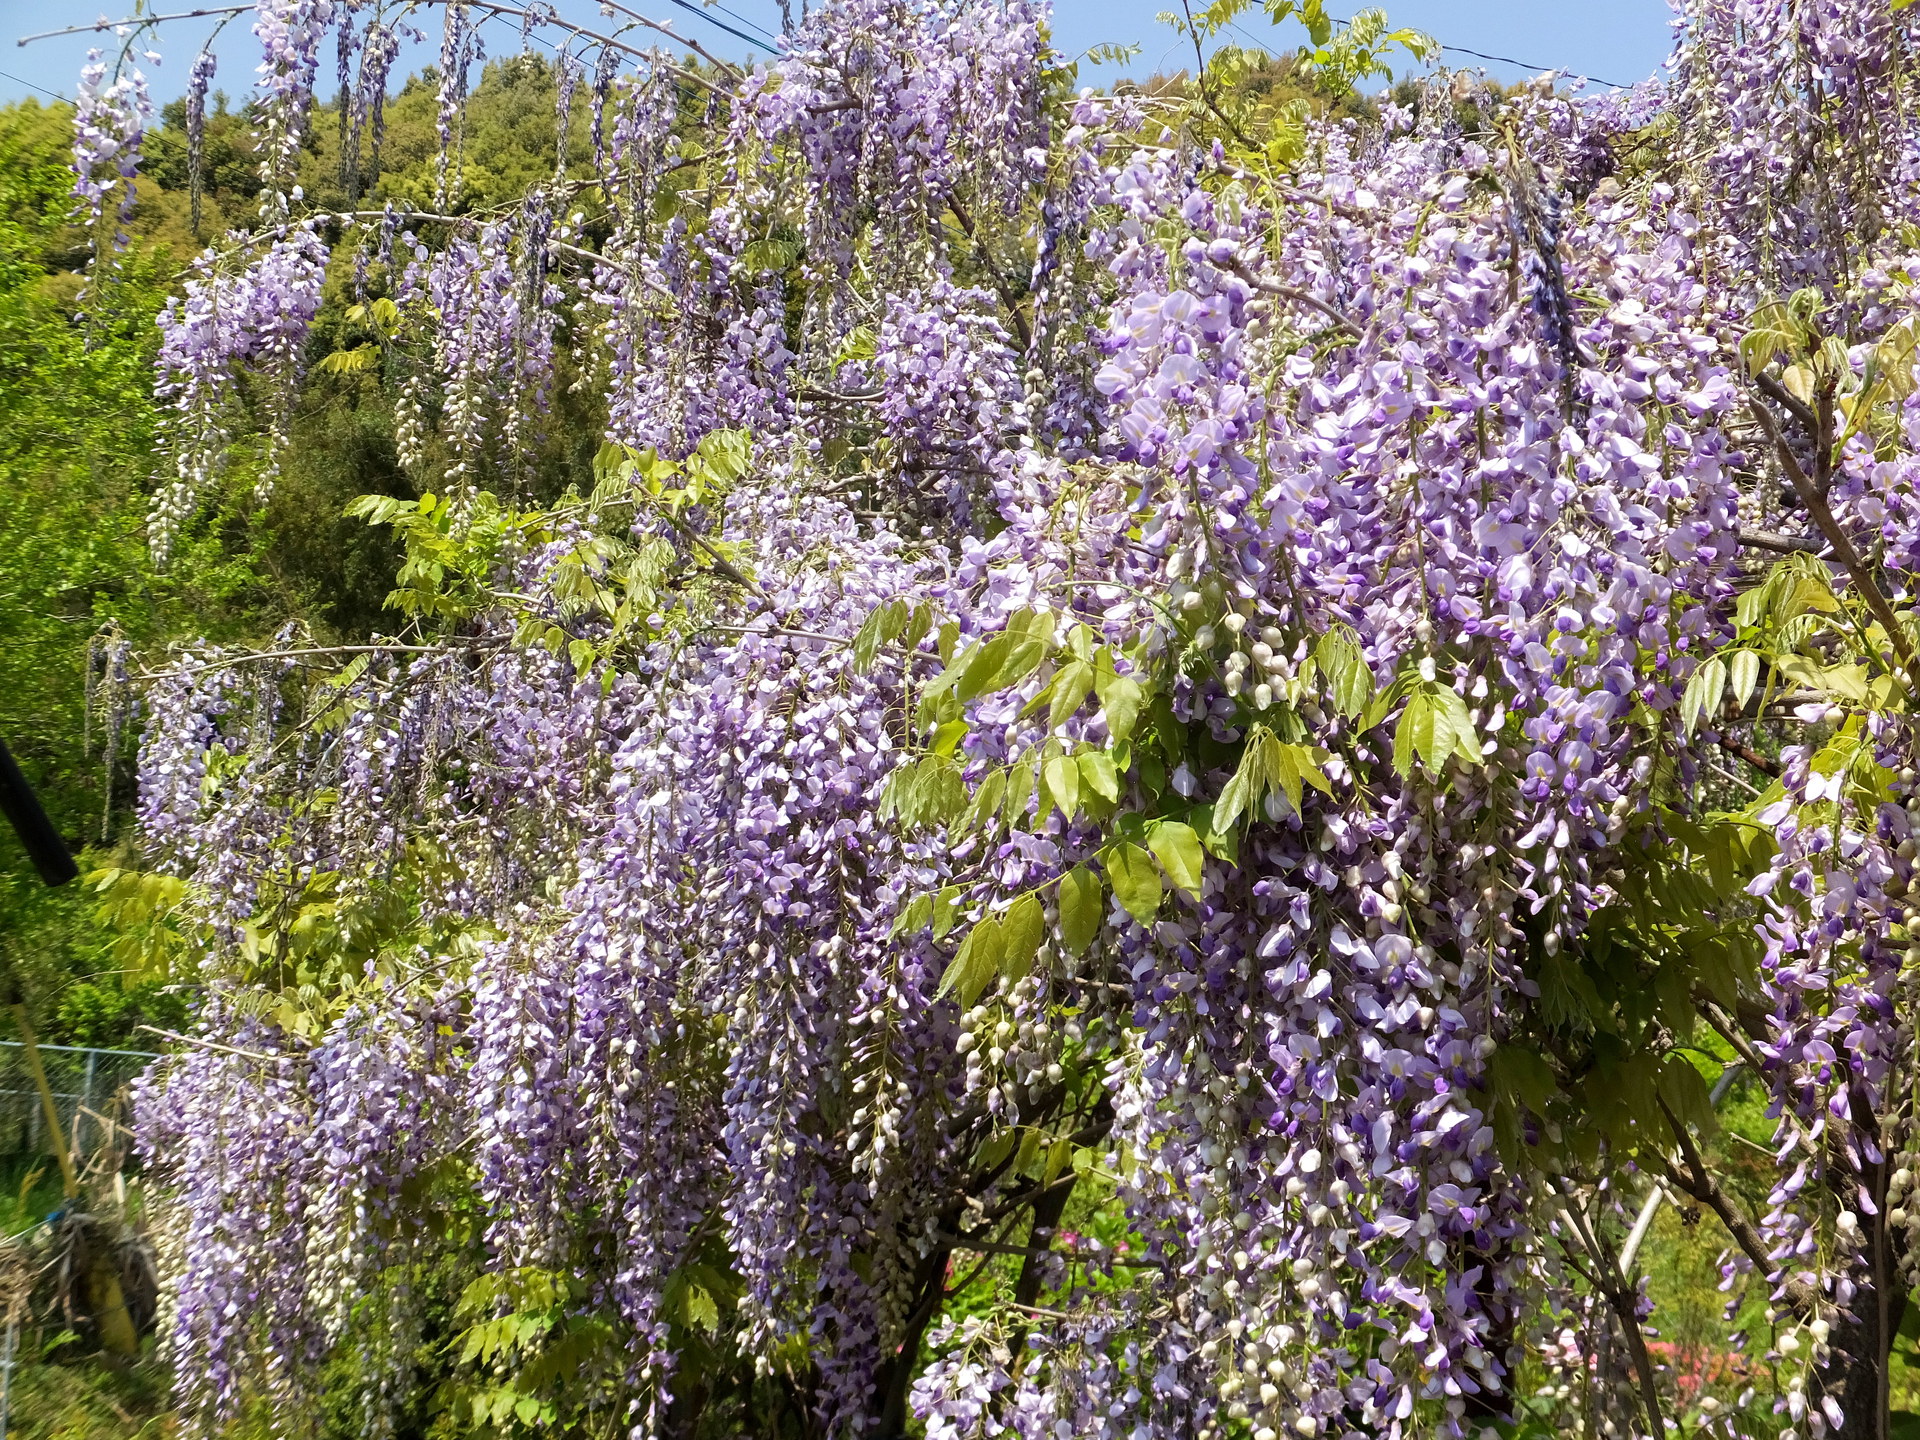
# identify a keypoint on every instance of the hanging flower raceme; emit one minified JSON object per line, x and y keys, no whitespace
{"x":231,"y":321}
{"x":109,"y":123}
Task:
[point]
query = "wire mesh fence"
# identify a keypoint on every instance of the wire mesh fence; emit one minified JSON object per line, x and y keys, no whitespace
{"x":90,"y":1090}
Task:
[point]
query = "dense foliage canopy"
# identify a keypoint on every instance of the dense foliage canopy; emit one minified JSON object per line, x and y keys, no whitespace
{"x":1281,"y":680}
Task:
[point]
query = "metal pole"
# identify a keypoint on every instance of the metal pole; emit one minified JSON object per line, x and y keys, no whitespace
{"x":85,"y":1108}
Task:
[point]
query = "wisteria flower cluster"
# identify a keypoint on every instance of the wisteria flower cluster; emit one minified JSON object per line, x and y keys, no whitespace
{"x":1123,"y":804}
{"x":109,"y":121}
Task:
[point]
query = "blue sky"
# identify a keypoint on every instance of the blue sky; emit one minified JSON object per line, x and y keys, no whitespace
{"x":1618,"y":41}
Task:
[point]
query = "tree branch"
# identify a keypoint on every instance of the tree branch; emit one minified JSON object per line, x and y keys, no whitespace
{"x":1779,"y":544}
{"x":1020,"y":328}
{"x":1697,"y":1180}
{"x":1752,"y":756}
{"x":1295,"y":293}
{"x":1843,"y":550}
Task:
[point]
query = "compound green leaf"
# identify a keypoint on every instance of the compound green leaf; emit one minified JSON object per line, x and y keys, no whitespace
{"x":1349,"y":679}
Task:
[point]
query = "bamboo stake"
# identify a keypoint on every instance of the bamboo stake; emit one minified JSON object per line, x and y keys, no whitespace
{"x":69,"y":1178}
{"x":104,"y":1296}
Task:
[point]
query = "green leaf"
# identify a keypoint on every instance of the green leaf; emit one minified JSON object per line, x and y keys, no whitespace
{"x":1022,"y":929}
{"x":1349,"y":679}
{"x":1524,"y":1075}
{"x":1121,"y":699}
{"x":1686,"y":1094}
{"x":1459,"y":739}
{"x":1177,"y":847}
{"x":1703,"y":692}
{"x":925,"y":793}
{"x":986,"y":800}
{"x":946,"y":910}
{"x":976,"y":964}
{"x":1744,"y":671}
{"x":915,"y":918}
{"x":878,"y":628}
{"x":1434,"y":725}
{"x":947,"y":737}
{"x":1774,"y":330}
{"x":1382,"y":705}
{"x":1019,"y":793}
{"x":1063,"y":783}
{"x":1414,"y":736}
{"x":1135,"y":879}
{"x":701,"y":1310}
{"x":350,"y":362}
{"x":1069,"y":690}
{"x":769,"y":255}
{"x":1251,"y":780}
{"x":727,"y":453}
{"x":1080,"y":909}
{"x":979,"y":663}
{"x":1296,"y":766}
{"x":1097,"y":773}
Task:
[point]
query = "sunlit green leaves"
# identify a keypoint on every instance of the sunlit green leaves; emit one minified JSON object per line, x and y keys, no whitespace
{"x":977,"y":962}
{"x":1703,"y":693}
{"x":1743,"y":673}
{"x":1268,"y":764}
{"x":925,"y":793}
{"x":1434,"y":726}
{"x":1340,"y":659}
{"x":1780,"y":328}
{"x":1098,"y":775}
{"x":891,"y":623}
{"x":1022,"y":930}
{"x":1121,"y":698}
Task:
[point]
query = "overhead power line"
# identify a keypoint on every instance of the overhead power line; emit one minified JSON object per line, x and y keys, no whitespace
{"x":702,"y":12}
{"x":5,"y":75}
{"x":732,"y":14}
{"x":1537,"y":69}
{"x":1483,"y":55}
